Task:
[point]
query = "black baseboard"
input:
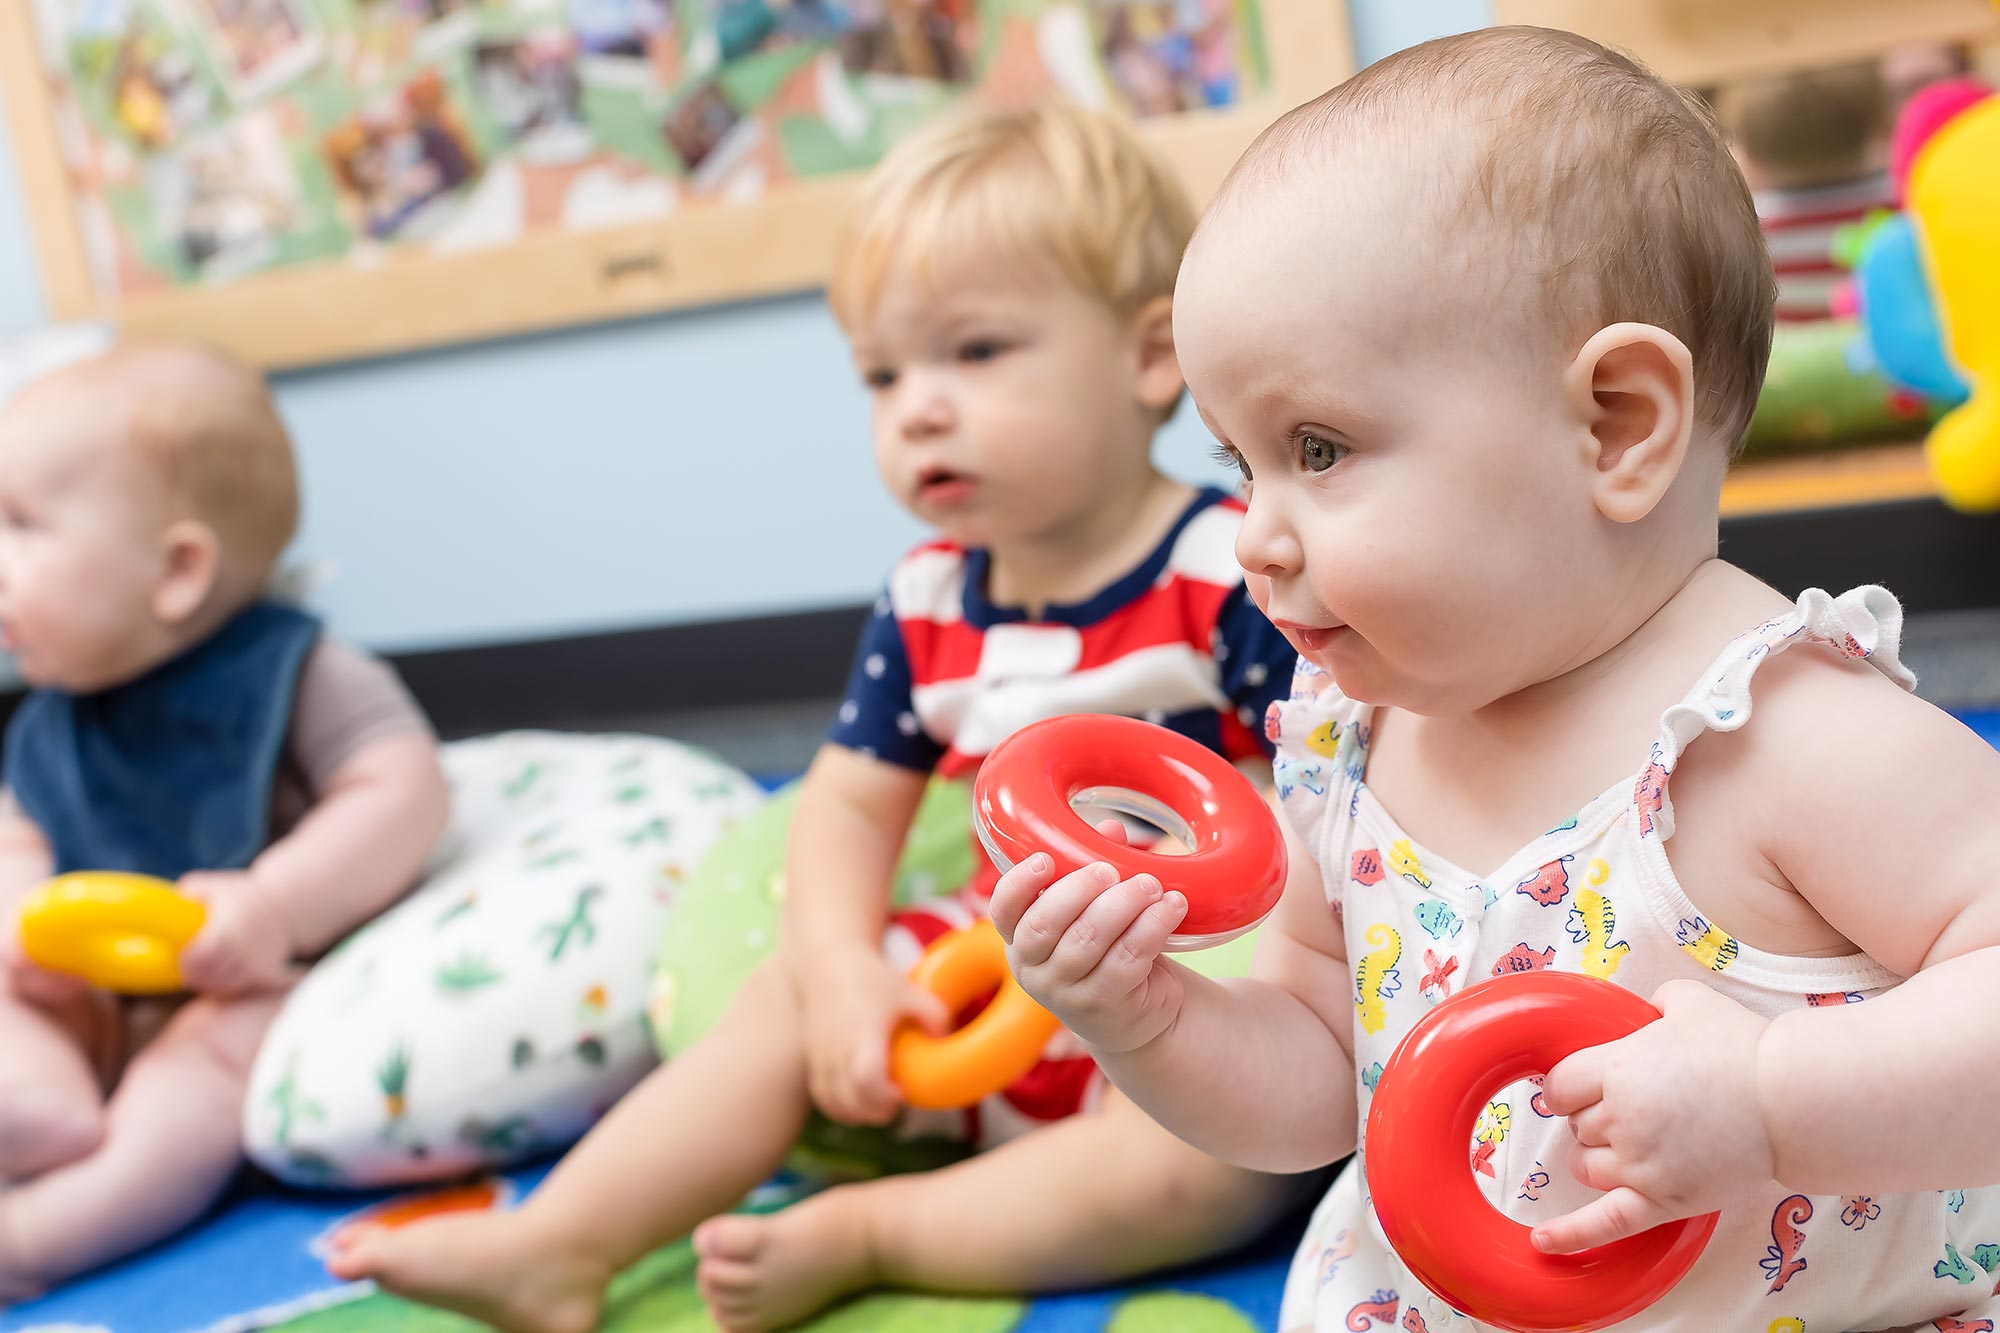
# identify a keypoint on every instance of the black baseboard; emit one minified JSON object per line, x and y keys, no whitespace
{"x":1932,"y":558}
{"x":586,"y":682}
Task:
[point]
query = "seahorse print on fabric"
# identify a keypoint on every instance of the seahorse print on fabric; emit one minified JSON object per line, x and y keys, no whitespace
{"x":1709,"y":945}
{"x":1592,"y":922}
{"x":1378,"y":1309}
{"x":1783,"y":1259}
{"x":1376,"y":978}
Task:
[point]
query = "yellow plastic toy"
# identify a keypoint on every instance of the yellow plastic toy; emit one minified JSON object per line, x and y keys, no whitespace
{"x":1954,"y":198}
{"x":117,"y":931}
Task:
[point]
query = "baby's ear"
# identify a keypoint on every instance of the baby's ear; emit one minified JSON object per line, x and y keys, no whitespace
{"x":1631,"y":388}
{"x":1159,"y":370}
{"x":190,"y":564}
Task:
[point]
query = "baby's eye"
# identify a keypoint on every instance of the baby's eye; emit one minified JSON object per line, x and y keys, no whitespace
{"x":981,"y":349}
{"x":1228,"y":457}
{"x":881,"y":377}
{"x":1319,"y":453}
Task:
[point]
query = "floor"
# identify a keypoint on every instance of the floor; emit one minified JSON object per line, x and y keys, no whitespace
{"x":1956,"y":657}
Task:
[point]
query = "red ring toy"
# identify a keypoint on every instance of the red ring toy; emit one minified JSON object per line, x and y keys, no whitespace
{"x":1024,"y":802}
{"x":1427,"y":1103}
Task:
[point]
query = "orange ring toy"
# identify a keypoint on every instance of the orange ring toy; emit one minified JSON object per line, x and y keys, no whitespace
{"x":998,"y":1046}
{"x":1025,"y":797}
{"x":1427,"y":1103}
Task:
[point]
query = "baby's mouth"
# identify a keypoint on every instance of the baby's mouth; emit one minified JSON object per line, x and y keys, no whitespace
{"x":1310,"y":638}
{"x":942,"y":486}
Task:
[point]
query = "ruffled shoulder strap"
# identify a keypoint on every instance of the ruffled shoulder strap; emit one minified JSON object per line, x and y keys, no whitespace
{"x":1864,"y":623}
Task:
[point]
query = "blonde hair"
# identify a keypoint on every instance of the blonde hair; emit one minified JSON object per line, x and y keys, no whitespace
{"x":1810,"y":127}
{"x":206,"y":425}
{"x":1052,"y":183}
{"x":1614,"y":193}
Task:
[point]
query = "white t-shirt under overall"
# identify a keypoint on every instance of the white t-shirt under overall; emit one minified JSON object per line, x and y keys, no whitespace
{"x":1597,"y":895}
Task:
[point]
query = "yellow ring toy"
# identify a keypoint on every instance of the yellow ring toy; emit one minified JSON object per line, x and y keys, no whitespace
{"x":998,"y":1046}
{"x":117,"y":931}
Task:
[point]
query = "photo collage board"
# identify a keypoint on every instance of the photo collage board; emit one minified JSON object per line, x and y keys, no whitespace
{"x":207,"y":141}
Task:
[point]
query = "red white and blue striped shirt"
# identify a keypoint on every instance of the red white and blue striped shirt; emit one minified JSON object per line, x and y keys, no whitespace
{"x":942,"y":675}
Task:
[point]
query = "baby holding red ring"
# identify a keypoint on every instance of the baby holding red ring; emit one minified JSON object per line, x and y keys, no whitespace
{"x":1482,"y":327}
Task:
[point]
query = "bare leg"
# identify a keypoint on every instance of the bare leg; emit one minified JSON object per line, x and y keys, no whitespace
{"x":1093,"y":1199}
{"x":172,"y":1141}
{"x":51,"y":1107}
{"x":697,"y":1135}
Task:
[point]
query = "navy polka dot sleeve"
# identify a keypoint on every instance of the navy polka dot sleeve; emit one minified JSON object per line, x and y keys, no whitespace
{"x":877,"y":717}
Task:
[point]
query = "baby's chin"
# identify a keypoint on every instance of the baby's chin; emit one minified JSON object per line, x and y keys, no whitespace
{"x":39,"y":673}
{"x":1366,"y":679}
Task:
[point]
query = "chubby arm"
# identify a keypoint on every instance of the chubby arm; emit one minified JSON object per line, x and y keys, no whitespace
{"x":1878,"y":809}
{"x":359,"y":848}
{"x":362,"y":844}
{"x":1269,"y":1060}
{"x":853,"y":816}
{"x":1895,"y":839}
{"x":1259,"y":1072}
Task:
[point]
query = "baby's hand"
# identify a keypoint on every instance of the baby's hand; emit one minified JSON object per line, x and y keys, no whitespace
{"x":1087,"y":947}
{"x":851,"y":1004}
{"x":244,"y":945}
{"x":32,"y":982}
{"x":1667,"y":1121}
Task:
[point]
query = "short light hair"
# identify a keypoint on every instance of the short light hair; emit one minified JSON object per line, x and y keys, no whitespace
{"x":1610,"y":191}
{"x":207,"y":427}
{"x":1052,"y":184}
{"x":1810,"y":127}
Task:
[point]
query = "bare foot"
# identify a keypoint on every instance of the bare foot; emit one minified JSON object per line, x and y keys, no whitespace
{"x":41,"y":1130}
{"x":490,"y":1266}
{"x":762,"y":1273}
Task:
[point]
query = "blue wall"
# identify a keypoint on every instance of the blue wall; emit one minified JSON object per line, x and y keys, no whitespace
{"x":679,"y":468}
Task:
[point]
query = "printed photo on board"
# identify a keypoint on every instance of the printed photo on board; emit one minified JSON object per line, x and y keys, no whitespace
{"x":261,"y":45}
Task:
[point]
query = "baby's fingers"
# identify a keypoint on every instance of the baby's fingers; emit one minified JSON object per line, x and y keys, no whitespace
{"x":1018,"y":888}
{"x":1575,"y":1082}
{"x":1039,"y":929}
{"x":871,"y":1097}
{"x":1101,"y":925}
{"x":1016,"y":893}
{"x":1135,"y":952}
{"x":39,"y":986}
{"x":926,"y":1010}
{"x":1623,"y":1212}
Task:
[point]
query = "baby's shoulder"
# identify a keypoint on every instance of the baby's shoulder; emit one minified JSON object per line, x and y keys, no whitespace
{"x":347,"y":697}
{"x":1832,"y":751}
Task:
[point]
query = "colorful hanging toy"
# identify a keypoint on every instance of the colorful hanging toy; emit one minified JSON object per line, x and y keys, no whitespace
{"x":1927,"y":281}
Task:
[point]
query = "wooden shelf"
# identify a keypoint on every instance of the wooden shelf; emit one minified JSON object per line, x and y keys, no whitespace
{"x":1828,"y":481}
{"x":1704,"y":41}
